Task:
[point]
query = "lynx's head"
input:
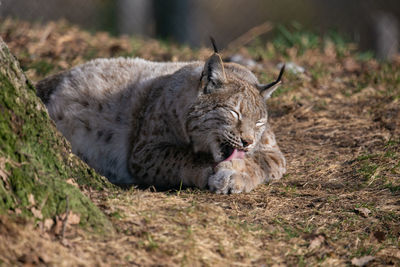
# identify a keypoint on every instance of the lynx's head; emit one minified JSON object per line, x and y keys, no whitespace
{"x":230,"y":113}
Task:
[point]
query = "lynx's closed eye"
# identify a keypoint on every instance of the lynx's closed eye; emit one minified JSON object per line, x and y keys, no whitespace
{"x":260,"y":123}
{"x":235,"y":114}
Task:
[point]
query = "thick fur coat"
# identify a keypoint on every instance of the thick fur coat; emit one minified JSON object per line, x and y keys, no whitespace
{"x":167,"y":124}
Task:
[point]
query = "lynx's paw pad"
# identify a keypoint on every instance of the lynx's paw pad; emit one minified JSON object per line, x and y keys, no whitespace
{"x":227,"y":180}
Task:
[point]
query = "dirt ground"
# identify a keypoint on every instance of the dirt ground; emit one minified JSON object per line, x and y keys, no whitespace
{"x":338,"y":124}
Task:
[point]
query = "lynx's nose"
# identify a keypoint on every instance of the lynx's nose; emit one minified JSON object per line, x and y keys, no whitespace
{"x":246,"y":142}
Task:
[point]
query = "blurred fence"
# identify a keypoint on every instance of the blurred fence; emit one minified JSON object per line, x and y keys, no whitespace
{"x":373,"y":24}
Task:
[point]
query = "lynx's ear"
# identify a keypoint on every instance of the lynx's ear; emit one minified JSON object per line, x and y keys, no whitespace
{"x":213,"y":76}
{"x":266,"y":90}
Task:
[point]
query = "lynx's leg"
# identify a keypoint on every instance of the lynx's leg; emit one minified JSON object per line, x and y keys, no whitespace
{"x":243,"y":175}
{"x":168,"y":166}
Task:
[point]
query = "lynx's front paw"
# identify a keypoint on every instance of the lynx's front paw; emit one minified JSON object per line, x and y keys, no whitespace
{"x":228,"y":180}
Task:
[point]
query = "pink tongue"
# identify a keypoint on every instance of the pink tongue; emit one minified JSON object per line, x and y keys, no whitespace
{"x":237,"y":154}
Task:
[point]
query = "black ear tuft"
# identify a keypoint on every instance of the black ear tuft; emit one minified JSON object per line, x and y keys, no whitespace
{"x":267,"y":89}
{"x":213,"y":44}
{"x":213,"y":75}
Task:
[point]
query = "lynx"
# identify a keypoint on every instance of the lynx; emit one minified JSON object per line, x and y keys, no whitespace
{"x":167,"y":124}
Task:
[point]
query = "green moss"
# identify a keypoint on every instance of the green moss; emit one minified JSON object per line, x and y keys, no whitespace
{"x":37,"y":158}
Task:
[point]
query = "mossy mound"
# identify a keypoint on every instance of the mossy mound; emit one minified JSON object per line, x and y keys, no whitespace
{"x":36,"y":163}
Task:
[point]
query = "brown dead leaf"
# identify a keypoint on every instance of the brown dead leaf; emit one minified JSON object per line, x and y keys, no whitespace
{"x":47,"y":224}
{"x":73,"y":218}
{"x":316,"y":242}
{"x":57,"y":226}
{"x":65,"y":243}
{"x":31,"y":199}
{"x":364,"y":212}
{"x":362,"y":261}
{"x":29,"y":259}
{"x":72,"y":182}
{"x":37,"y":213}
{"x":63,"y":64}
{"x":3,"y":173}
{"x":351,"y":65}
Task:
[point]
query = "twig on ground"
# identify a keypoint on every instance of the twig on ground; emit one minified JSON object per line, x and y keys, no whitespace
{"x":250,"y":35}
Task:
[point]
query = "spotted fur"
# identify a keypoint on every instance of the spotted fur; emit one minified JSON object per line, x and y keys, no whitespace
{"x":167,"y":124}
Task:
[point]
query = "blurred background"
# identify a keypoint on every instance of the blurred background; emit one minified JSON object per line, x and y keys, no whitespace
{"x":374,"y":25}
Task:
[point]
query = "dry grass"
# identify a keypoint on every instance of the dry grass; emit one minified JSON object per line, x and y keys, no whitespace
{"x":338,"y":125}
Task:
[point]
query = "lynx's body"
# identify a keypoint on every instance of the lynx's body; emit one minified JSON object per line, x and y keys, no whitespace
{"x":166,"y":124}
